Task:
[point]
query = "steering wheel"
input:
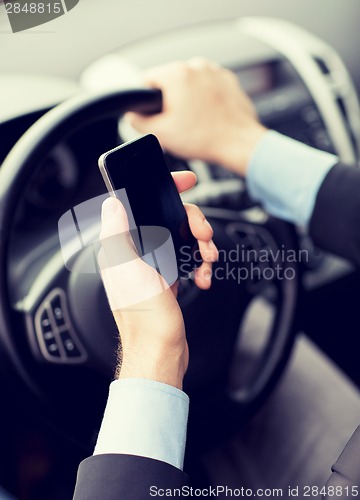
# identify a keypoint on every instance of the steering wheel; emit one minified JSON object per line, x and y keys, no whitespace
{"x":60,"y":340}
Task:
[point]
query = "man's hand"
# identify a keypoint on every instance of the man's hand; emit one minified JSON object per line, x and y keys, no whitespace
{"x":206,"y":115}
{"x":145,"y":308}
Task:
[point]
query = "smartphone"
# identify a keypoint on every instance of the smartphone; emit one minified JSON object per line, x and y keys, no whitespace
{"x":138,"y":169}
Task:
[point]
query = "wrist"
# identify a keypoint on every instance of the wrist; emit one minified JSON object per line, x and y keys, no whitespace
{"x":168,"y":369}
{"x":237,"y":149}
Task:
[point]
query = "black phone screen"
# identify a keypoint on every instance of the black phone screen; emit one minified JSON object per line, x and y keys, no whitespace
{"x":139,"y":167}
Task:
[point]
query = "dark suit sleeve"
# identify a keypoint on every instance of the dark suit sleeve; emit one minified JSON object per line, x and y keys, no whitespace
{"x":335,"y":222}
{"x":128,"y":477}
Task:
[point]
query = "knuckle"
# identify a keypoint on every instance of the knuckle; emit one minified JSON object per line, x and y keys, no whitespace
{"x":211,"y":230}
{"x":184,"y":72}
{"x":200,"y":62}
{"x":207,"y":257}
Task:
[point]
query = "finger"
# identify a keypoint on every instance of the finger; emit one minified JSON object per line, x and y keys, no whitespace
{"x":208,"y":251}
{"x":199,"y":225}
{"x":158,"y":75}
{"x":203,"y":232}
{"x":116,"y":241}
{"x":203,"y":276}
{"x":202,"y":63}
{"x":184,"y":180}
{"x":143,"y":123}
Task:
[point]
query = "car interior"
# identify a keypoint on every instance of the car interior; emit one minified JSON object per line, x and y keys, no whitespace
{"x":65,"y":87}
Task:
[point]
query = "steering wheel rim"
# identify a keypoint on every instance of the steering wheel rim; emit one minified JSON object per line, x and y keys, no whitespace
{"x":57,"y":124}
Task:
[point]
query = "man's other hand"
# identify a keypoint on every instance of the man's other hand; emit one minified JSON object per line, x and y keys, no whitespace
{"x":206,"y":115}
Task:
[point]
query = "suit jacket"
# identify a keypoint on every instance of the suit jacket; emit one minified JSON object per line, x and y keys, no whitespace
{"x":335,"y":222}
{"x":335,"y":227}
{"x":124,"y":477}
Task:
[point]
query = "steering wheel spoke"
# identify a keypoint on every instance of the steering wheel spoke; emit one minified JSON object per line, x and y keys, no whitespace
{"x":45,"y":306}
{"x":54,"y":336}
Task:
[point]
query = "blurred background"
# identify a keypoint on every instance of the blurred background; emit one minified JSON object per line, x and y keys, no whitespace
{"x":65,"y":46}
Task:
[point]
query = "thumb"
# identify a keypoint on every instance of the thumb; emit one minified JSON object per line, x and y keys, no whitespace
{"x":128,"y":280}
{"x":113,"y":217}
{"x":116,"y":241}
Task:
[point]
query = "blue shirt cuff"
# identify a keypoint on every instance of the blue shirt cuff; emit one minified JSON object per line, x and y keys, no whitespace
{"x":285,"y":175}
{"x":145,"y":418}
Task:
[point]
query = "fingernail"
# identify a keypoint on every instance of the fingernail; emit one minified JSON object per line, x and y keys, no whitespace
{"x":110,"y":207}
